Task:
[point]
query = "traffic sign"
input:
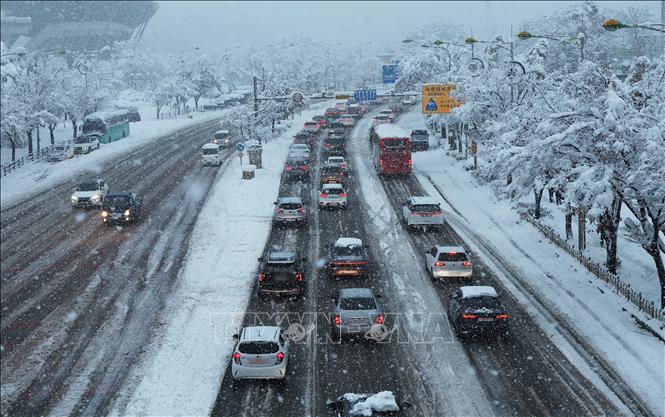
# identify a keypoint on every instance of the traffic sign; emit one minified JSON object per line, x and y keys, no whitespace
{"x":437,"y":99}
{"x":297,"y":97}
{"x":342,"y":96}
{"x":390,"y":73}
{"x":240,"y":147}
{"x":364,"y":95}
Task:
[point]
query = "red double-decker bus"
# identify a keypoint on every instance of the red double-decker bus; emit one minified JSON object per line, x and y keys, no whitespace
{"x":392,"y":150}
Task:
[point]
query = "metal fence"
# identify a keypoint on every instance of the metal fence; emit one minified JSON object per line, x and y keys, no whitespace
{"x":35,"y":156}
{"x":620,"y":287}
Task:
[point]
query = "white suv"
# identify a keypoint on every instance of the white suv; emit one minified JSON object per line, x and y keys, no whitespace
{"x":86,"y":144}
{"x":261,"y":353}
{"x":422,"y":211}
{"x":449,"y":262}
{"x":90,"y":193}
{"x":332,"y":195}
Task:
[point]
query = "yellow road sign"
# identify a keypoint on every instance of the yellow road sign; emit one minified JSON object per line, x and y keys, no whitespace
{"x":342,"y":96}
{"x":437,"y":99}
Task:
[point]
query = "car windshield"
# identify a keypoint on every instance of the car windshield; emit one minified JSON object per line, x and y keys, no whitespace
{"x":258,"y":347}
{"x":290,"y":206}
{"x":357,"y":303}
{"x":350,"y":250}
{"x":335,"y":160}
{"x":419,"y":132}
{"x":453,"y":257}
{"x":58,"y":149}
{"x":477,"y":303}
{"x":83,"y":139}
{"x":221,"y":136}
{"x":426,"y":208}
{"x":297,"y":163}
{"x":210,"y":151}
{"x":88,"y":186}
{"x":116,"y":200}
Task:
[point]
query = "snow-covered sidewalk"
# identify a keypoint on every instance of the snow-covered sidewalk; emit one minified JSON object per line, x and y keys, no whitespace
{"x":586,"y":304}
{"x":183,"y":367}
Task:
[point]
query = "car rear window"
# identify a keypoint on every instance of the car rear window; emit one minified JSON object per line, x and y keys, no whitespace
{"x":453,"y":257}
{"x":419,"y":132}
{"x":481,"y":302}
{"x":357,"y":303}
{"x":393,"y":144}
{"x":290,"y":206}
{"x":332,"y":191}
{"x":279,"y":268}
{"x":335,"y":169}
{"x":352,"y":250}
{"x":426,"y":208}
{"x":258,"y":348}
{"x":210,"y":151}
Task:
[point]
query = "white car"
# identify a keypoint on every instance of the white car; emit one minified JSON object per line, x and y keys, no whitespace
{"x":346,"y":120}
{"x":299,"y":150}
{"x":90,"y":193}
{"x":261,"y":353}
{"x":338,"y":161}
{"x":86,"y":143}
{"x":60,"y":152}
{"x":211,"y":154}
{"x":380,"y":119}
{"x":332,"y":195}
{"x":408,"y":101}
{"x":389,"y":113}
{"x":422,"y":211}
{"x":448,"y":262}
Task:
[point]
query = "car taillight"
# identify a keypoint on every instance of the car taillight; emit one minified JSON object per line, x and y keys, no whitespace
{"x":379,"y":319}
{"x":502,"y":316}
{"x":467,"y":263}
{"x":469,"y":316}
{"x":342,"y":194}
{"x":305,"y":168}
{"x":262,"y":276}
{"x":338,"y":319}
{"x":323,"y":195}
{"x":301,"y":210}
{"x":439,"y":263}
{"x":236,"y":358}
{"x":328,"y":146}
{"x":289,"y":168}
{"x":280,"y":358}
{"x":435,"y":213}
{"x":278,"y":210}
{"x":299,"y":277}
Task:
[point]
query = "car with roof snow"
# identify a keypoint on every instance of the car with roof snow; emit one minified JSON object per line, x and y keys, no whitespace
{"x":311,"y":126}
{"x":90,"y":193}
{"x":348,"y":257}
{"x":211,"y":154}
{"x":282,"y":272}
{"x":338,"y":161}
{"x":380,"y":119}
{"x":356,"y":312}
{"x":333,"y":174}
{"x":423,"y":211}
{"x":347,"y":120}
{"x":332,"y":113}
{"x":333,"y":195}
{"x":303,"y":137}
{"x":86,"y":143}
{"x":261,"y":352}
{"x":389,"y":113}
{"x":384,"y":403}
{"x":334,"y":144}
{"x":223,"y":138}
{"x":121,"y":207}
{"x":419,"y":140}
{"x":477,"y":310}
{"x":60,"y":152}
{"x":322,"y":121}
{"x":448,"y":262}
{"x":297,"y":168}
{"x":289,"y":210}
{"x":299,"y":150}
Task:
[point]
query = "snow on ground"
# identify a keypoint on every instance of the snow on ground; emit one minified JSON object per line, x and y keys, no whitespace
{"x":35,"y":177}
{"x":184,"y":367}
{"x":585,"y":302}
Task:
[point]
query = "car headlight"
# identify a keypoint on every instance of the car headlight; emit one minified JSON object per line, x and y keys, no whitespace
{"x":75,"y":198}
{"x":127,"y":213}
{"x":105,"y":213}
{"x":95,"y":197}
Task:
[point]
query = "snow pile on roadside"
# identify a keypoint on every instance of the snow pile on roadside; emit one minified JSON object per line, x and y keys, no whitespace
{"x":365,"y":406}
{"x":183,"y":368}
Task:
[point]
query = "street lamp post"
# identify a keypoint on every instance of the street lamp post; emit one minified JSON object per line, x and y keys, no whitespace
{"x":450,"y":57}
{"x":524,"y":35}
{"x":614,"y":24}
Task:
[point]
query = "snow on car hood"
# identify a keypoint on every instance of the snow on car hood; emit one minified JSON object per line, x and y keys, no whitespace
{"x":366,"y":406}
{"x":86,"y":193}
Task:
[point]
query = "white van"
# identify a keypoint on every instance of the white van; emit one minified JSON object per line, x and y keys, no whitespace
{"x":223,"y":138}
{"x":211,"y":154}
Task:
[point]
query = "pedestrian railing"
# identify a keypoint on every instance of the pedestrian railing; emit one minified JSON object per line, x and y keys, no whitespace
{"x":620,"y":287}
{"x":12,"y":166}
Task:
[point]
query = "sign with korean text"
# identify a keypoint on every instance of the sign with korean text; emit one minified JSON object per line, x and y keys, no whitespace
{"x":437,"y":98}
{"x":364,"y":95}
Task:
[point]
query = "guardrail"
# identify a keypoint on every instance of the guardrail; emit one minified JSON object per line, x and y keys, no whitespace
{"x":620,"y":287}
{"x":35,"y":156}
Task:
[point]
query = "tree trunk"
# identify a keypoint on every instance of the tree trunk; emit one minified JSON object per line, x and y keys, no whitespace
{"x":569,"y":223}
{"x":196,"y":102}
{"x":74,"y":127}
{"x":51,"y":130}
{"x":654,"y":251}
{"x":29,"y":133}
{"x":12,"y":141}
{"x":609,"y":224}
{"x":581,"y":228}
{"x":39,"y":140}
{"x":159,"y":109}
{"x":538,"y":195}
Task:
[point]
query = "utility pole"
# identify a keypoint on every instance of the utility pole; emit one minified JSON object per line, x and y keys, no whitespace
{"x":256,"y":101}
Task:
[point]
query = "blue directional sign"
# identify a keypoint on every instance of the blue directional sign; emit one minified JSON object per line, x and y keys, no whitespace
{"x":390,"y":73}
{"x":431,"y":105}
{"x":364,"y":95}
{"x":240,"y":147}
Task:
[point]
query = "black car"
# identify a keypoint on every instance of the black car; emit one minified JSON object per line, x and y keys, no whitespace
{"x":347,"y":257}
{"x":297,"y":169}
{"x":282,"y":272}
{"x":304,"y":137}
{"x":332,"y":174}
{"x":419,"y":140}
{"x":334,"y":145}
{"x":121,"y":208}
{"x":384,"y":403}
{"x":477,"y":309}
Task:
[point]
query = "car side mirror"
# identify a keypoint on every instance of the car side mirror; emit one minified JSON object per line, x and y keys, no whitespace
{"x":333,"y":405}
{"x":379,"y":296}
{"x":366,"y":246}
{"x":260,"y":259}
{"x":275,"y":202}
{"x":236,"y":336}
{"x":303,"y":259}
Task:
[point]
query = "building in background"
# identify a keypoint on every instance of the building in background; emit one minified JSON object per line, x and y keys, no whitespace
{"x":72,"y":25}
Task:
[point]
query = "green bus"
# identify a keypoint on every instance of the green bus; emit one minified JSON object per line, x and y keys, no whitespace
{"x":109,"y":126}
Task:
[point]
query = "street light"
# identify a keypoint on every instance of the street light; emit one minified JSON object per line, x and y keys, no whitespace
{"x":612,"y":25}
{"x":450,"y":57}
{"x":524,"y":35}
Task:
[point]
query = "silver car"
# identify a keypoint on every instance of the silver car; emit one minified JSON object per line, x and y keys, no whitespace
{"x":356,"y":312}
{"x":449,"y":262}
{"x":261,"y":353}
{"x":299,"y":150}
{"x":333,"y":195}
{"x":289,"y":210}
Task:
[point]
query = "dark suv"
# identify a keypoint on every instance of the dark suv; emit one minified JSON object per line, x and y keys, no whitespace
{"x":347,"y":256}
{"x":332,"y":174}
{"x":334,"y":145}
{"x":297,"y":168}
{"x":282,"y":272}
{"x":419,"y":140}
{"x":121,"y":208}
{"x":477,"y":309}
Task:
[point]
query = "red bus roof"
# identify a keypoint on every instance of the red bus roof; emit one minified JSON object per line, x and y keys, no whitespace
{"x":384,"y":131}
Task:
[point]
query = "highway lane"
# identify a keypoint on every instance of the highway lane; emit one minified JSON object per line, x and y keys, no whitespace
{"x":76,"y":290}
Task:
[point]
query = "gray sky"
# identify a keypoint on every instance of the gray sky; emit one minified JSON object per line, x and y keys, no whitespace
{"x":219,"y":25}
